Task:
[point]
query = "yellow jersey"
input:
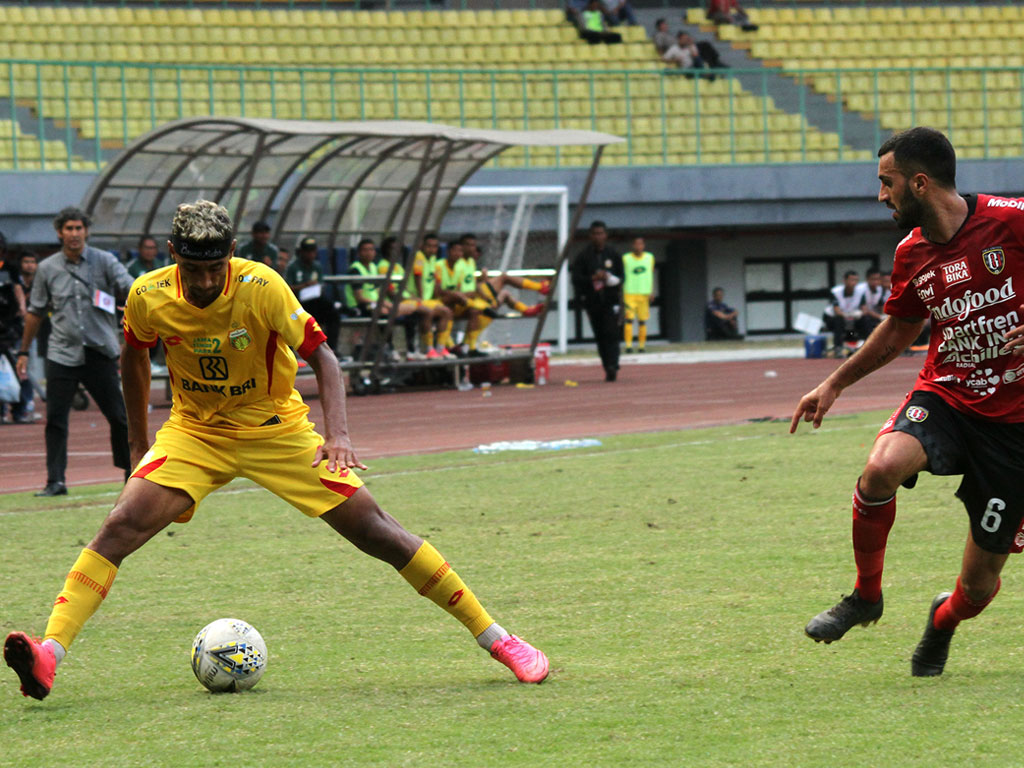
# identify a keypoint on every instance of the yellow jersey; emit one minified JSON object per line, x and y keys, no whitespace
{"x":231,"y":364}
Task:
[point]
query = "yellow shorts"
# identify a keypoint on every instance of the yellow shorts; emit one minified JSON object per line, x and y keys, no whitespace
{"x":278,"y":457}
{"x":637,"y":305}
{"x":432,"y":303}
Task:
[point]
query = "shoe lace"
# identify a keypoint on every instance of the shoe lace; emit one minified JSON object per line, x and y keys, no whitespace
{"x":518,"y":651}
{"x":848,"y":606}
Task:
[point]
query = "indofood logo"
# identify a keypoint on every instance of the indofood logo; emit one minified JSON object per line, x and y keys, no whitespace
{"x":962,"y":306}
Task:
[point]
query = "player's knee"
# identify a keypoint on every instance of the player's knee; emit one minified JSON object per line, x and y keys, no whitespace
{"x":881,"y":478}
{"x":979,"y":586}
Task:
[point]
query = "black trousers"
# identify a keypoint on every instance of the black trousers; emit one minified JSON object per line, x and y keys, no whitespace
{"x":604,"y":321}
{"x":99,"y":377}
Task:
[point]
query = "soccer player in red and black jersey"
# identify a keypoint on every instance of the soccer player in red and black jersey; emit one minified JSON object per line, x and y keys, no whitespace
{"x":961,"y":267}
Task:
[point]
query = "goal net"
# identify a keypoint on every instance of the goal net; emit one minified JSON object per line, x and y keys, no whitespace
{"x":520,"y":232}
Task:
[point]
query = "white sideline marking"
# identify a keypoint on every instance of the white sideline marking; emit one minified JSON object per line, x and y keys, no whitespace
{"x":540,"y":456}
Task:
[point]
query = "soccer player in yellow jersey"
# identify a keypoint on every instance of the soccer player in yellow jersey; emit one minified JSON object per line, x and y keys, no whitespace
{"x":494,"y":288}
{"x":229,"y":326}
{"x":638,"y":285}
{"x":424,"y":284}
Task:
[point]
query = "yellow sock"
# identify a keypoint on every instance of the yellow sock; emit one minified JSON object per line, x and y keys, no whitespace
{"x":642,"y":335}
{"x":87,"y":584}
{"x":628,"y":332}
{"x":431,"y":576}
{"x":426,"y":341}
{"x":472,"y":336}
{"x":518,"y":306}
{"x":444,"y":336}
{"x":532,"y":285}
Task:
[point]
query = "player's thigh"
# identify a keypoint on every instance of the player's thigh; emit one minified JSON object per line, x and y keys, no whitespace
{"x":924,"y":433}
{"x":142,"y":510}
{"x":990,"y":486}
{"x":283,"y":464}
{"x":194,"y":463}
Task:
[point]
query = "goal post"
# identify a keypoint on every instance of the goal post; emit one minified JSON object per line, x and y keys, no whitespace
{"x":522,"y":230}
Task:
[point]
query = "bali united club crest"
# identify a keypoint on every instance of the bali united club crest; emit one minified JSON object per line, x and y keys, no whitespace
{"x":240,"y":339}
{"x":994,"y":260}
{"x":916,"y":413}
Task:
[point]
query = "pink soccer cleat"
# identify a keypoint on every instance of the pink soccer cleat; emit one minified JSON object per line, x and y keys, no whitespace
{"x":529,"y":664}
{"x":533,"y":311}
{"x":33,"y":662}
{"x":433,"y":354}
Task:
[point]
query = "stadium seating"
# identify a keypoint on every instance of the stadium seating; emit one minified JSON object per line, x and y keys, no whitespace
{"x":113,"y":72}
{"x":940,"y":50}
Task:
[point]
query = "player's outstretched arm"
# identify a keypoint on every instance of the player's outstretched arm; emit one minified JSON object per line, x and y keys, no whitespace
{"x":885,"y":344}
{"x":135,"y":380}
{"x":337,"y":449}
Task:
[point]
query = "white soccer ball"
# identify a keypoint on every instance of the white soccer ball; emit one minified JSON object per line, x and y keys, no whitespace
{"x":229,"y":655}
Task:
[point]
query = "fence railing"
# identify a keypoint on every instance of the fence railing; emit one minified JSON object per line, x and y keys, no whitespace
{"x":73,"y":115}
{"x":468,"y":4}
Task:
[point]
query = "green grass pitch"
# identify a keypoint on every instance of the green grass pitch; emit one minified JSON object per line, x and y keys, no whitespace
{"x":668,"y":576}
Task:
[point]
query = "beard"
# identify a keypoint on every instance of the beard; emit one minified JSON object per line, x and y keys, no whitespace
{"x":909,"y":212}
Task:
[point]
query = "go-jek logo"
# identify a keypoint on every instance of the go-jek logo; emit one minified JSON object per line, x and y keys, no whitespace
{"x":962,"y":306}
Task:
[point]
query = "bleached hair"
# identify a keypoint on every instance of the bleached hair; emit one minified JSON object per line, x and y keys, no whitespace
{"x":201,"y":222}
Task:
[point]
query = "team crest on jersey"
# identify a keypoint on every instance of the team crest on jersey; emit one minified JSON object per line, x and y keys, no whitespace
{"x":240,"y":339}
{"x":994,"y":260}
{"x":917,"y":414}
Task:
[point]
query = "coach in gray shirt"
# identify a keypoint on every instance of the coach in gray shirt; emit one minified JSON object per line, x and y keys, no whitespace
{"x":81,"y":286}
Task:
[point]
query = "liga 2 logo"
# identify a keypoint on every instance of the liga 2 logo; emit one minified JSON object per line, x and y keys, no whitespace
{"x":994,"y":260}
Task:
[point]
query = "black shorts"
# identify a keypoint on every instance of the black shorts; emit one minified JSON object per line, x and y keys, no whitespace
{"x":989,"y":455}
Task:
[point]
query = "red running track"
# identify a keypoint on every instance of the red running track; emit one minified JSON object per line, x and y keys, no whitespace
{"x":646,"y":398}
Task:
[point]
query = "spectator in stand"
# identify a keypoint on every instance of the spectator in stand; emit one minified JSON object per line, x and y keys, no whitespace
{"x":843,"y":311}
{"x":684,"y":53}
{"x":729,"y":12}
{"x":82,"y":285}
{"x":872,"y":310}
{"x":592,"y":25}
{"x":663,"y":39}
{"x":149,"y":257}
{"x":720,"y":320}
{"x":259,"y":248}
{"x":618,"y":11}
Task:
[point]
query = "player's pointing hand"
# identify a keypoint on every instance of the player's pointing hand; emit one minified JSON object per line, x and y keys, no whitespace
{"x":814,"y":405}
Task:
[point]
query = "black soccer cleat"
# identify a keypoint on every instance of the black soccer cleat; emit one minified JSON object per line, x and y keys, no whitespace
{"x":840,"y":618}
{"x":930,"y":656}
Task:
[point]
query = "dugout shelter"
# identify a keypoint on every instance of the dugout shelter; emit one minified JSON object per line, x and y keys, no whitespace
{"x":334,"y":181}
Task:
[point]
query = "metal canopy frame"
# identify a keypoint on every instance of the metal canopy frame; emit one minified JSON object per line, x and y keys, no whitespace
{"x":334,"y":181}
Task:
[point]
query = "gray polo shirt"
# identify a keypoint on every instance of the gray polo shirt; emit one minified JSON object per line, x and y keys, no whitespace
{"x":68,"y":290}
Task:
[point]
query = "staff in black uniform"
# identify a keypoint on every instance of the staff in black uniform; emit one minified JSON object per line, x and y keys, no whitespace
{"x":597,"y":277}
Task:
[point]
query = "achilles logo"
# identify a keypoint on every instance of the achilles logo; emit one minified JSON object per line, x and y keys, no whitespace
{"x":962,"y":306}
{"x":955,"y":272}
{"x":455,"y":597}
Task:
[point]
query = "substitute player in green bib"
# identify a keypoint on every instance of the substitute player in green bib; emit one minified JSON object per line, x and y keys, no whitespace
{"x":638,"y":266}
{"x":229,"y":327}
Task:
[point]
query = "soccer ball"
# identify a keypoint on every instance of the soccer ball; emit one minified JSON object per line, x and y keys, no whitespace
{"x":228,"y":655}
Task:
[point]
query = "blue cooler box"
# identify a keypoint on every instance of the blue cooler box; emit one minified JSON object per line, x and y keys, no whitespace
{"x":815,"y":345}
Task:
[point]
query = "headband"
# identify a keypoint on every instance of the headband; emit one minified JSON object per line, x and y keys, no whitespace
{"x":206,"y":250}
